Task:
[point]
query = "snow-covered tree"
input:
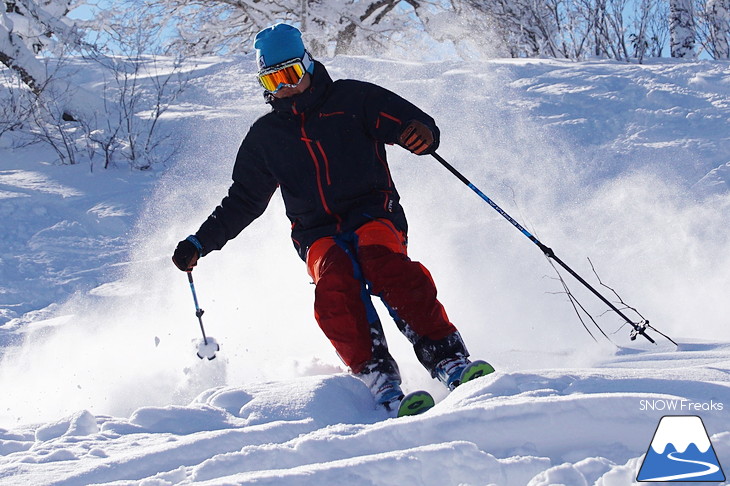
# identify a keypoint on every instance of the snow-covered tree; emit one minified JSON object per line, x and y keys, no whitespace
{"x":575,"y":29}
{"x":525,"y":28}
{"x":15,"y":105}
{"x":682,"y":28}
{"x":647,"y":31}
{"x":28,"y":27}
{"x":714,"y":27}
{"x":651,"y":28}
{"x":329,"y":26}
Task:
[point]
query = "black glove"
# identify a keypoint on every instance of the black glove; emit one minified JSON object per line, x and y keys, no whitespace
{"x":186,"y":256}
{"x":417,"y":138}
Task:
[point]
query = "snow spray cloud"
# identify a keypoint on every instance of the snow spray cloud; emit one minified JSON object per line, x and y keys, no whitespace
{"x":556,"y":145}
{"x":132,"y":342}
{"x":110,"y":350}
{"x":490,"y":280}
{"x":667,"y":253}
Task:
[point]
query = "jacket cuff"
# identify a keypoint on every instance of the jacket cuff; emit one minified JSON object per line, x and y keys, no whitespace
{"x":196,"y":242}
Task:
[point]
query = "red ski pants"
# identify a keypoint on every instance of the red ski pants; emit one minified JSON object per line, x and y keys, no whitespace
{"x":347,"y":269}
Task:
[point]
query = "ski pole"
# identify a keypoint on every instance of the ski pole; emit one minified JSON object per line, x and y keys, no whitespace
{"x":639,"y":329}
{"x":206,"y":349}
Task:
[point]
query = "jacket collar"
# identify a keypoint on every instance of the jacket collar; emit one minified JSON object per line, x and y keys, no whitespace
{"x":307,"y":101}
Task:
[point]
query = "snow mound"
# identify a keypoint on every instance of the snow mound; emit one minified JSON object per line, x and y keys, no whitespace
{"x":569,"y":426}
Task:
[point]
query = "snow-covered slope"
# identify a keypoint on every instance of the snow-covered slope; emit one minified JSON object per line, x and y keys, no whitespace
{"x":567,"y":426}
{"x":625,"y":164}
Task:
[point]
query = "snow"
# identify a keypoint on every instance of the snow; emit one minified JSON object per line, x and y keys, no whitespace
{"x":626,"y":164}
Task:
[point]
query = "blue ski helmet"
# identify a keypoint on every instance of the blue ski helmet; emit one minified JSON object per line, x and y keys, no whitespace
{"x":279,"y":43}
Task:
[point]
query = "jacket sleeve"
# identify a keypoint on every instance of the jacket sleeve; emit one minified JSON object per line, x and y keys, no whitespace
{"x":249,"y":195}
{"x":387,"y":115}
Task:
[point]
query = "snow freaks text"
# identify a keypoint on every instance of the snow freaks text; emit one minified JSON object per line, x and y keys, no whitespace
{"x":678,"y":405}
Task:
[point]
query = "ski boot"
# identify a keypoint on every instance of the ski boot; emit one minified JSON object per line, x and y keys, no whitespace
{"x":383,"y":379}
{"x":452,"y":372}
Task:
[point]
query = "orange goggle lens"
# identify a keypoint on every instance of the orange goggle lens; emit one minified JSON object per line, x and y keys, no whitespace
{"x":287,"y":75}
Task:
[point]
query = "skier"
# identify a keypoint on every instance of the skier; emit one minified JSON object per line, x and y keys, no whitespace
{"x":323,"y":144}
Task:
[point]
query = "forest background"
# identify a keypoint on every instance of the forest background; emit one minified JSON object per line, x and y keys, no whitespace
{"x":127,"y":38}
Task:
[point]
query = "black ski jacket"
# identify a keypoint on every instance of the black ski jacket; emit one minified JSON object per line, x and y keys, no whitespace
{"x":325,"y":149}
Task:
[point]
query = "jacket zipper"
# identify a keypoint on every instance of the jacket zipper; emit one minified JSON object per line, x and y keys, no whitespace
{"x":326,"y":163}
{"x":318,"y":171}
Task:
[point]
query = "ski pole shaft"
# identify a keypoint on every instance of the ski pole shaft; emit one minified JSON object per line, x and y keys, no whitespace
{"x":494,"y":205}
{"x":198,"y":311}
{"x":546,"y":250}
{"x":637,"y":328}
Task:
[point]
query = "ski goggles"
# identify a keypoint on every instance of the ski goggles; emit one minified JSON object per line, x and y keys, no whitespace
{"x":287,"y":74}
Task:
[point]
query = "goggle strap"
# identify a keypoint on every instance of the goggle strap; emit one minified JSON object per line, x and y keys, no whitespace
{"x":307,"y":60}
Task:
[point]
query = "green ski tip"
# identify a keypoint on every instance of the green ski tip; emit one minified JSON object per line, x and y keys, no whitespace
{"x":415,"y":403}
{"x":476,"y":370}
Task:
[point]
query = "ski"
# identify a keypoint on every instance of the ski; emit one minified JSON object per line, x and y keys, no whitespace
{"x":415,"y":403}
{"x":475,"y":370}
{"x":421,"y":401}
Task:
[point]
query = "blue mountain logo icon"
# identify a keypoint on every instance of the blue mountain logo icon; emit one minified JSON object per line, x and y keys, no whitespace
{"x":681,"y":451}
